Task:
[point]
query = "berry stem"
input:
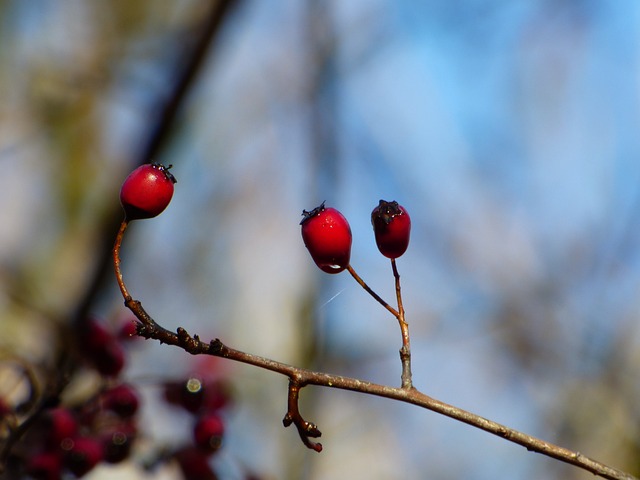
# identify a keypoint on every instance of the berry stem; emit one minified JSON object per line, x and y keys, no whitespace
{"x":147,"y":327}
{"x":116,"y":260}
{"x":357,"y":278}
{"x":405,"y":351}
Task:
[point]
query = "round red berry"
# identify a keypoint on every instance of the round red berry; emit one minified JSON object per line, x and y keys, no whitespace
{"x":128,"y":331}
{"x":110,"y":359}
{"x":59,"y":424}
{"x":194,"y":464}
{"x":45,"y":465}
{"x":147,"y":191}
{"x":82,"y":455}
{"x":392,"y":227}
{"x":123,"y":400}
{"x":208,"y":431}
{"x":100,"y":347}
{"x":187,"y":394}
{"x":327,"y":236}
{"x":117,"y":441}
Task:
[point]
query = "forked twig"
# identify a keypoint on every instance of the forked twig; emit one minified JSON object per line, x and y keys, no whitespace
{"x":306,"y":430}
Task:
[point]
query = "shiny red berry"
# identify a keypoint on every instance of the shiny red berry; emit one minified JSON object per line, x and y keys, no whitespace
{"x":327,"y":236}
{"x":147,"y":191}
{"x":208,"y":431}
{"x":392,"y":227}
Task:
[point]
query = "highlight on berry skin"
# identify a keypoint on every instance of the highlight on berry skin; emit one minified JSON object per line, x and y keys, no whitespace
{"x":147,"y":191}
{"x":392,"y":228}
{"x":327,"y":235}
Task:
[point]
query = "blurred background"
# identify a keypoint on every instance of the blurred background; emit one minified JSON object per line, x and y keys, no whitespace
{"x":509,"y":131}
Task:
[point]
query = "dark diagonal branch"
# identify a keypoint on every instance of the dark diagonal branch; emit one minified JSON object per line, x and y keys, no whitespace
{"x":163,"y":119}
{"x":192,"y":60}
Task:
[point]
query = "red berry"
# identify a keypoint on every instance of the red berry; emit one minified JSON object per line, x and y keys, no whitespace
{"x":392,"y":226}
{"x":110,"y":359}
{"x":100,"y":348}
{"x":147,"y":191}
{"x":217,"y":395}
{"x":59,"y":424}
{"x":82,"y":455}
{"x":92,"y":334}
{"x":45,"y":466}
{"x":188,"y":394}
{"x":117,"y":441}
{"x":194,"y":464}
{"x":128,"y":331}
{"x":208,"y":431}
{"x":327,"y":236}
{"x":122,"y":400}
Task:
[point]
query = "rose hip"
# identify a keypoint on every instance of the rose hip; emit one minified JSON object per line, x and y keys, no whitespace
{"x":327,"y":236}
{"x":392,"y":227}
{"x":147,"y":191}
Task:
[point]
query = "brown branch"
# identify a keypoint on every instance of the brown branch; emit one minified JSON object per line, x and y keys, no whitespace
{"x":405,"y":350}
{"x":306,"y":430}
{"x":371,"y":292}
{"x":300,"y":377}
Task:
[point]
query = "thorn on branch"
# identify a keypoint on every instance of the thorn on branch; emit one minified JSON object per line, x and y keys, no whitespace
{"x":306,"y":430}
{"x":215,"y":347}
{"x":143,"y":331}
{"x":189,"y":343}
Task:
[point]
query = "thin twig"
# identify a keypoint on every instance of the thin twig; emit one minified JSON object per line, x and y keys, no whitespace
{"x":405,"y":350}
{"x":357,"y":278}
{"x":116,"y":259}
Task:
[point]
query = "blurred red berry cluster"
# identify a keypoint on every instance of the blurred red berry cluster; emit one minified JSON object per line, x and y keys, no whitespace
{"x":203,"y":399}
{"x":72,"y":436}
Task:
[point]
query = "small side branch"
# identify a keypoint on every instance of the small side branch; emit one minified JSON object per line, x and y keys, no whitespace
{"x":306,"y":430}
